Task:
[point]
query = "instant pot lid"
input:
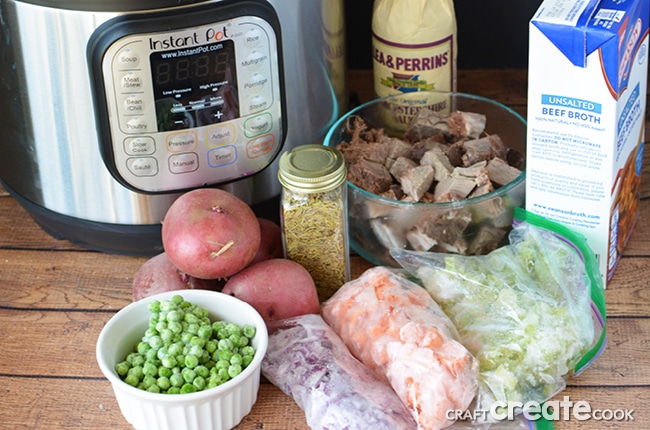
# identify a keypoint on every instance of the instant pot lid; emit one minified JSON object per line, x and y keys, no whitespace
{"x":110,"y":5}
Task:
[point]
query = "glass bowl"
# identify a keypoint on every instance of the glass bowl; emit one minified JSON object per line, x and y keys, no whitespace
{"x":472,"y":226}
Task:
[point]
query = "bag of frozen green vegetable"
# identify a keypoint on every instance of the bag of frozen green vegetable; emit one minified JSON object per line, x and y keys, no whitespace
{"x":532,"y":312}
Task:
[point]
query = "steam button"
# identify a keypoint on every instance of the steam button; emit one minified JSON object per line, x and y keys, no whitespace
{"x":258,"y":103}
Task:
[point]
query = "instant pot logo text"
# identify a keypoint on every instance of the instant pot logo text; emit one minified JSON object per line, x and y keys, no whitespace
{"x":188,"y":40}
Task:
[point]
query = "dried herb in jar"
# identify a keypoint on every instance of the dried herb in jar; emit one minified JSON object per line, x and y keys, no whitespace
{"x":314,"y":214}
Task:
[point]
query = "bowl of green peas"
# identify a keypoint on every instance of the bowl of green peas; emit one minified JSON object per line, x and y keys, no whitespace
{"x":187,"y":359}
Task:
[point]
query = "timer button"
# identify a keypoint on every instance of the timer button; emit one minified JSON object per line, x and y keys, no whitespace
{"x":126,"y":59}
{"x":132,"y":81}
{"x":144,"y":166}
{"x":253,"y":37}
{"x":183,"y":163}
{"x":222,"y":156}
{"x":139,"y":146}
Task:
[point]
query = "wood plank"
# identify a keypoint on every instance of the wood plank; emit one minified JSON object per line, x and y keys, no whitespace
{"x":90,"y":404}
{"x":27,"y":338}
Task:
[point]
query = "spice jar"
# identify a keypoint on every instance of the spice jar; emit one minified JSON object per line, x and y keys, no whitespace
{"x":313,"y":214}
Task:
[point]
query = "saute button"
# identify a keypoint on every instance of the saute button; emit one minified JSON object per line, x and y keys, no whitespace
{"x":143,"y":166}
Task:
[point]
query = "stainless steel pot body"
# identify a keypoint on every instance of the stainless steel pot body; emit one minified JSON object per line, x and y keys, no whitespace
{"x":50,"y":155}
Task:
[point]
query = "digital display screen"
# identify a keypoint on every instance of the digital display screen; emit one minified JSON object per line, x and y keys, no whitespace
{"x":195,"y":86}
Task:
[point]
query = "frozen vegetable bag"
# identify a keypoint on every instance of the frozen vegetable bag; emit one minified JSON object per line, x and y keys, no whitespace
{"x":308,"y":361}
{"x":532,"y":312}
{"x":395,"y":328}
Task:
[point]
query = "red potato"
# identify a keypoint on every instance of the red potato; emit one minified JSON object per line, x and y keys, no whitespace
{"x":209,"y":233}
{"x":159,"y":274}
{"x":276,"y":288}
{"x":271,"y":241}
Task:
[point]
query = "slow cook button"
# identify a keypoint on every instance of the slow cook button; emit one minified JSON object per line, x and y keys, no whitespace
{"x":183,"y":163}
{"x":139,"y":146}
{"x":143,"y":166}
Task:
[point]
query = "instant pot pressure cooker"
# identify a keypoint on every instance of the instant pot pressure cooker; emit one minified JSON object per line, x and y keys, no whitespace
{"x":111,"y":109}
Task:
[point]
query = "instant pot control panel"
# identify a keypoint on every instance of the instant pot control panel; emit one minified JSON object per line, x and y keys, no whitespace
{"x":191,"y":106}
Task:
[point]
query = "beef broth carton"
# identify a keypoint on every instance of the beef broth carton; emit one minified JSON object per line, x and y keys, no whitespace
{"x":588,"y":69}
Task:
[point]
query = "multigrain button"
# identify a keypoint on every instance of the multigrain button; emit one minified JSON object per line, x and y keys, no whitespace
{"x":143,"y":166}
{"x":255,"y":60}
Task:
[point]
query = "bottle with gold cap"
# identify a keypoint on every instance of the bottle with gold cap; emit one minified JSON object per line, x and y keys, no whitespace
{"x":313,"y":214}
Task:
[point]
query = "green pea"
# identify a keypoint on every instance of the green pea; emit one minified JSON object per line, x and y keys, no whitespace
{"x":163,"y":383}
{"x":188,"y":388}
{"x":234,"y":370}
{"x":191,"y":361}
{"x":177,"y":380}
{"x":122,"y":368}
{"x":249,"y":331}
{"x":154,"y":306}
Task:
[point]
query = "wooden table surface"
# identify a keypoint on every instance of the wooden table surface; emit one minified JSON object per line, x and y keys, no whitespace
{"x":55,"y":297}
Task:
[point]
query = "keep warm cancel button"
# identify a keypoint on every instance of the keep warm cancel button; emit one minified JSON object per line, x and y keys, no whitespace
{"x":261,"y":146}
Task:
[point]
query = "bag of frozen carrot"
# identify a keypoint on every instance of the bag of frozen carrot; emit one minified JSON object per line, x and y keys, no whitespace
{"x":395,"y":328}
{"x":532,"y":312}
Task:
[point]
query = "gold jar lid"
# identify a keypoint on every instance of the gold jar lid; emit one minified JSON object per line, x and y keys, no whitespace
{"x":312,"y":168}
